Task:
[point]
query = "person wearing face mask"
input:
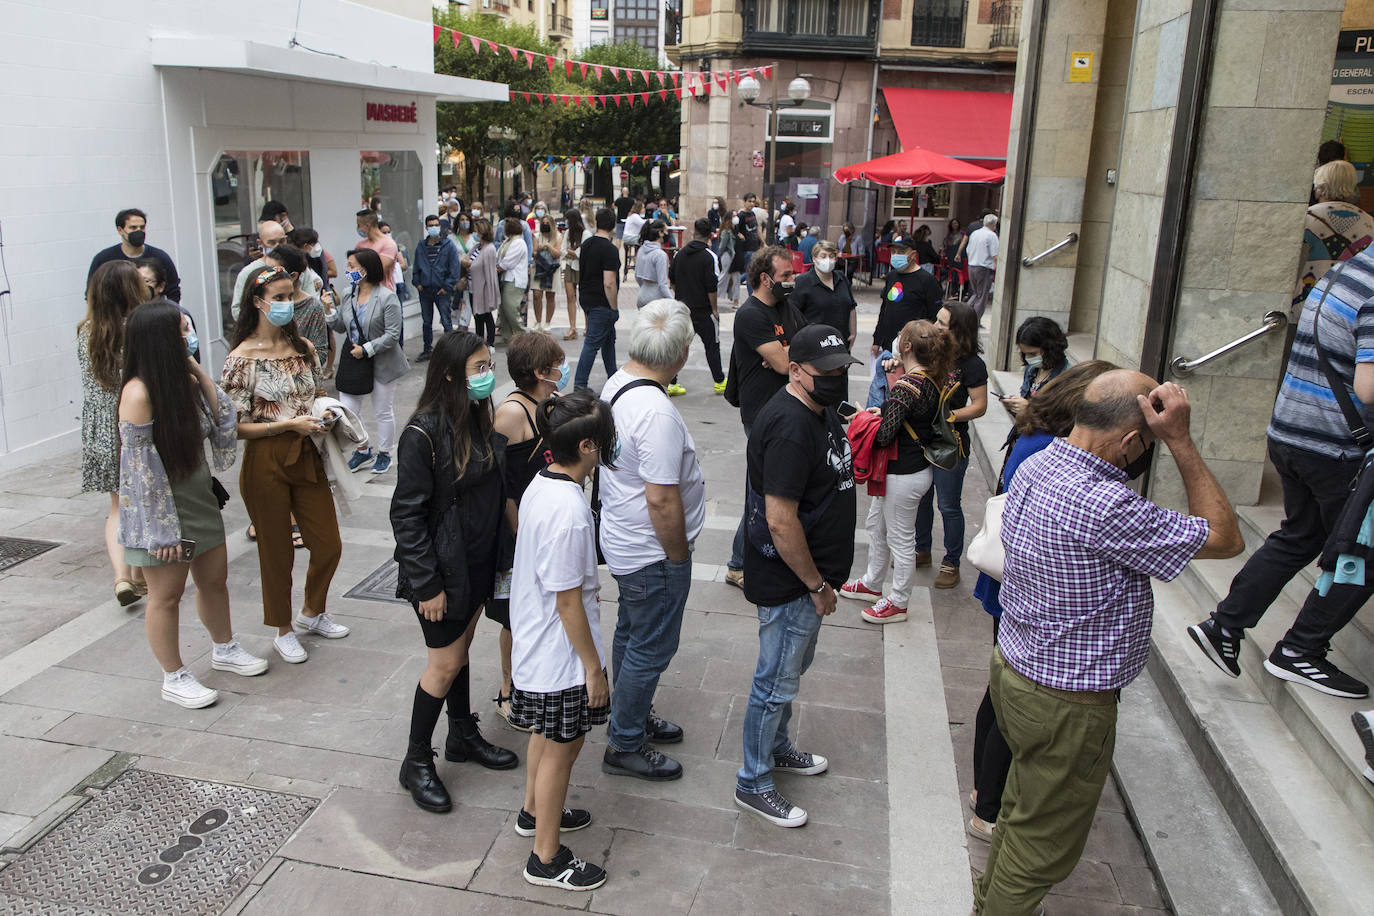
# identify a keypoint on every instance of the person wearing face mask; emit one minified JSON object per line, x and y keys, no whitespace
{"x":132,"y":225}
{"x":909,"y":294}
{"x":273,"y":377}
{"x":715,"y":214}
{"x":1043,"y":347}
{"x":321,"y":262}
{"x":764,"y":326}
{"x":800,"y":545}
{"x":270,"y":235}
{"x":438,"y":268}
{"x":154,"y":276}
{"x":693,"y":275}
{"x":539,"y":369}
{"x":1080,"y":549}
{"x":370,"y":318}
{"x":727,"y":281}
{"x":823,"y":294}
{"x":448,"y":501}
{"x":548,"y":254}
{"x":372,"y":237}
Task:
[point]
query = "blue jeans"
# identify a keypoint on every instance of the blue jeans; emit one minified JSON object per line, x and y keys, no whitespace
{"x":429,"y":298}
{"x":949,"y":488}
{"x":737,"y":547}
{"x":787,"y":644}
{"x":600,"y":335}
{"x":647,"y":626}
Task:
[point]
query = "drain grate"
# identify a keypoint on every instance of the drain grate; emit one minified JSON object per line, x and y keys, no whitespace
{"x":14,"y":551}
{"x":153,"y":844}
{"x":379,"y":585}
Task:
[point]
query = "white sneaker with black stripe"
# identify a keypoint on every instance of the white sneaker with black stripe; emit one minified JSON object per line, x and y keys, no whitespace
{"x":1316,"y":672}
{"x":566,"y":871}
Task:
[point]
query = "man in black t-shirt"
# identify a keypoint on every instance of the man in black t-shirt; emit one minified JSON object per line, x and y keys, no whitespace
{"x":758,"y":359}
{"x":909,"y":294}
{"x":823,"y":294}
{"x":801,"y":477}
{"x":598,"y":289}
{"x":748,"y":234}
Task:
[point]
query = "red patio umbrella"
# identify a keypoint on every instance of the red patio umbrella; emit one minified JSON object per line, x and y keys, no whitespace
{"x":916,"y":167}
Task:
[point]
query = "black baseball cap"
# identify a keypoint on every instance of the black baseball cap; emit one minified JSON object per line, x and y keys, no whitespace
{"x":821,"y":346}
{"x":900,"y":240}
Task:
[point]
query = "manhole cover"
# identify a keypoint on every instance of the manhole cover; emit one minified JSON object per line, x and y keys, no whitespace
{"x":14,"y":551}
{"x":153,"y":844}
{"x":379,"y":585}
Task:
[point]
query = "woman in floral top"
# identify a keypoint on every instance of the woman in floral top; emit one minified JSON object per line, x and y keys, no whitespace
{"x":169,"y":518}
{"x":273,"y":377}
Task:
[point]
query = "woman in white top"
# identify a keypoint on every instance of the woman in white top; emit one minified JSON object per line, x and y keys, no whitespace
{"x":548,"y":253}
{"x":513,"y":259}
{"x":559,"y":688}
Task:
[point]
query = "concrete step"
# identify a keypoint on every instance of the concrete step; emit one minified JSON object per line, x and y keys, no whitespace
{"x":1276,"y":755}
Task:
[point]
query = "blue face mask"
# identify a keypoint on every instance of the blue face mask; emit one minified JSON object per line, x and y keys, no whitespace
{"x":280,"y":312}
{"x":900,"y":261}
{"x":481,"y":386}
{"x":432,"y":232}
{"x":191,"y":344}
{"x":362,"y":234}
{"x":354,"y":276}
{"x":564,"y":373}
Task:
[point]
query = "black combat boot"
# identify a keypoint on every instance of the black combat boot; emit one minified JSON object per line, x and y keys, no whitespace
{"x":465,"y":742}
{"x":418,"y":776}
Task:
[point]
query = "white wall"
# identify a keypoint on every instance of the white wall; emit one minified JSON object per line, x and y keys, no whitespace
{"x":82,"y":116}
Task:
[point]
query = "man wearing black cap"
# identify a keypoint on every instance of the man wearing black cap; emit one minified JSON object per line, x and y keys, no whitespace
{"x":800,"y":513}
{"x":909,"y":294}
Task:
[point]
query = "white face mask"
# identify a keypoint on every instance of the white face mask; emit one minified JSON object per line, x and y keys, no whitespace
{"x":825,"y":265}
{"x":317,"y":251}
{"x":734,"y":220}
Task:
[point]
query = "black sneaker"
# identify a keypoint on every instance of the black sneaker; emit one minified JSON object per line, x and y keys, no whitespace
{"x":566,"y":871}
{"x":1223,"y":650}
{"x":424,"y":356}
{"x":573,"y":819}
{"x":801,"y":763}
{"x":646,"y":763}
{"x":661,"y":731}
{"x":1364,"y":727}
{"x":772,"y":807}
{"x":1316,"y":672}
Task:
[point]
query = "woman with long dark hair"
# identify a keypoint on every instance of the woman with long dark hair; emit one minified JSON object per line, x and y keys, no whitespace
{"x":572,"y":249}
{"x":485,"y":282}
{"x":445,"y":512}
{"x":968,"y":402}
{"x":111,"y":295}
{"x":169,"y":519}
{"x":926,"y":353}
{"x":1044,"y":354}
{"x":273,"y":377}
{"x":949,"y":247}
{"x":548,"y":255}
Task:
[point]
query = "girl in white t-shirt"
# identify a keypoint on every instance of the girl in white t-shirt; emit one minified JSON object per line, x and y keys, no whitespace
{"x":559,"y":688}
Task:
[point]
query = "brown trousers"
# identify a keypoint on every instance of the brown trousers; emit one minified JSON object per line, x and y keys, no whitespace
{"x":281,"y":476}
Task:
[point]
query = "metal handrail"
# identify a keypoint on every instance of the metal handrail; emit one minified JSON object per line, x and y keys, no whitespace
{"x":1068,"y":240}
{"x":1274,"y":320}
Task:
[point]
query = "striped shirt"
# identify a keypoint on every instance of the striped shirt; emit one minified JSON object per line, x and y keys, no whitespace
{"x":1081,"y":546}
{"x":1307,"y":414}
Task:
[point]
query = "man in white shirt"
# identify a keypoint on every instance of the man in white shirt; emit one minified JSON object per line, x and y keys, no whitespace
{"x":653,"y":507}
{"x":983,"y":246}
{"x":787,"y":224}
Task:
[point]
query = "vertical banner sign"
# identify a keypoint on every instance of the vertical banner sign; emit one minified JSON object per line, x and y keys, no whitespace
{"x":1350,"y":109}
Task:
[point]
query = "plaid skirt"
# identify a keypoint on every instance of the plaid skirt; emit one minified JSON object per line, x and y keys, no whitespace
{"x":562,"y":716}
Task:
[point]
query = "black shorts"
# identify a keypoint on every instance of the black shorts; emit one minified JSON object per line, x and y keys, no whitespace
{"x":498,"y":611}
{"x":442,"y":633}
{"x":562,"y":716}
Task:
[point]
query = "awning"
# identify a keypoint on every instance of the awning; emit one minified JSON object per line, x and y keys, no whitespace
{"x":964,"y":125}
{"x":915,"y":167}
{"x":255,"y":59}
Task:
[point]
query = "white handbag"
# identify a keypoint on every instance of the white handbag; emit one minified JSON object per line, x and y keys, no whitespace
{"x":985,"y":551}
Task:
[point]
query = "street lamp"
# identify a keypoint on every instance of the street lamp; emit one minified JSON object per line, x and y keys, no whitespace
{"x":502,"y":137}
{"x":799,"y":90}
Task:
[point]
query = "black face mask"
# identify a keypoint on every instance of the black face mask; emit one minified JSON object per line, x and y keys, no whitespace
{"x":137,"y":237}
{"x":829,"y":390}
{"x":1141,"y":464}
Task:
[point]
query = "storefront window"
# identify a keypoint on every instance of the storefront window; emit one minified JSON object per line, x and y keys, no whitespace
{"x":802,"y":169}
{"x":930,"y":202}
{"x":396,"y":179}
{"x":240,"y":183}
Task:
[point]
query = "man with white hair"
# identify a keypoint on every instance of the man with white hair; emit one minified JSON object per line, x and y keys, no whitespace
{"x":653,"y":506}
{"x":983,"y":246}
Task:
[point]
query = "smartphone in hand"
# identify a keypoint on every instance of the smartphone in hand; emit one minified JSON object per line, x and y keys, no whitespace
{"x":188,"y":550}
{"x":846,"y":410}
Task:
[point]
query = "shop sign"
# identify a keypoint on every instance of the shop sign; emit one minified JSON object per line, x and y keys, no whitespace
{"x":758,"y":158}
{"x":599,"y":15}
{"x":400,"y":114}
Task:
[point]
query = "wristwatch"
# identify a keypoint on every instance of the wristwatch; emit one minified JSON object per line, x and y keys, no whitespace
{"x":819,"y":588}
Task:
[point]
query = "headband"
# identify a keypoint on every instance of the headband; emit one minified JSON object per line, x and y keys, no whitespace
{"x":267,"y":276}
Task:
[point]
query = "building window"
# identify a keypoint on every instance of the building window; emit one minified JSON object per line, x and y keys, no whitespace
{"x":1006,"y":24}
{"x":938,"y":23}
{"x":847,"y":25}
{"x":637,"y":21}
{"x":600,"y":10}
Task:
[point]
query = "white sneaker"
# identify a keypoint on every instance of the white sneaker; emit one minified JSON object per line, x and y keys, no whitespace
{"x":182,"y":688}
{"x":290,"y":649}
{"x":233,"y":657}
{"x":323,"y":625}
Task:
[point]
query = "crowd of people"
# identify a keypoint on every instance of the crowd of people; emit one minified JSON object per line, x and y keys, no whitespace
{"x":1071,"y":610}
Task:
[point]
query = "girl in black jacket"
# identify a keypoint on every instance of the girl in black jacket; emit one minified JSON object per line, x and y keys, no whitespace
{"x":448,"y":503}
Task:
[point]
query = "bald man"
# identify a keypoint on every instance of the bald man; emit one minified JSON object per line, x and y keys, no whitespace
{"x":270,"y":234}
{"x":1081,"y":548}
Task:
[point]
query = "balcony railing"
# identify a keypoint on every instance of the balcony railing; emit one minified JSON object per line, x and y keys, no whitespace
{"x":938,"y":23}
{"x":1006,"y":24}
{"x":832,"y":26}
{"x":562,"y":25}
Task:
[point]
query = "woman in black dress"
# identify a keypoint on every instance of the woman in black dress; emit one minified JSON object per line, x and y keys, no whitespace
{"x":449,"y":499}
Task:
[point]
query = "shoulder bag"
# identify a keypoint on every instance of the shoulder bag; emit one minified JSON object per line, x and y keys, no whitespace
{"x":985,"y":550}
{"x":1358,"y":430}
{"x":945,"y":449}
{"x":596,"y":473}
{"x":354,"y":375}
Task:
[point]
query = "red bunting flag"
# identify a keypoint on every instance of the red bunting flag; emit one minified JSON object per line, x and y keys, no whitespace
{"x":567,"y":67}
{"x":678,"y":92}
{"x":766,"y":72}
{"x":616,"y":98}
{"x":529,"y":60}
{"x":455,"y":36}
{"x":526,"y":95}
{"x":674,"y":75}
{"x":492,"y":45}
{"x":615,"y":73}
{"x":720,"y":81}
{"x":749,"y":71}
{"x":514,"y":53}
{"x":661,"y":80}
{"x":596,"y":68}
{"x":476,"y":44}
{"x":631,"y":97}
{"x":663,"y":95}
{"x":692,"y":89}
{"x":644,"y":97}
{"x":549,"y":60}
{"x":438,"y":30}
{"x":539,"y":96}
{"x":583,"y":67}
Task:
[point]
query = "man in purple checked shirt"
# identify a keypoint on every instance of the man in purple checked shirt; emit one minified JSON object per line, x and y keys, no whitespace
{"x":1081,"y":547}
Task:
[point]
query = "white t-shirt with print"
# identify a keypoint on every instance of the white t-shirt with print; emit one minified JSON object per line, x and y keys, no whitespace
{"x":556,"y":551}
{"x":655,"y":447}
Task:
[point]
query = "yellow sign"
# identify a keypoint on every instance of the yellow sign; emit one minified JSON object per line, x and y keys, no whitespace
{"x":1081,"y":67}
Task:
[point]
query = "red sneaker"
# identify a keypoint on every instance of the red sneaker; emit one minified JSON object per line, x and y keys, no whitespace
{"x":884,"y":612}
{"x":856,"y":589}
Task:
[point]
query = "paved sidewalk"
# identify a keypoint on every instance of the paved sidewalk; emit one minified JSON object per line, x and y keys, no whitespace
{"x":79,"y":696}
